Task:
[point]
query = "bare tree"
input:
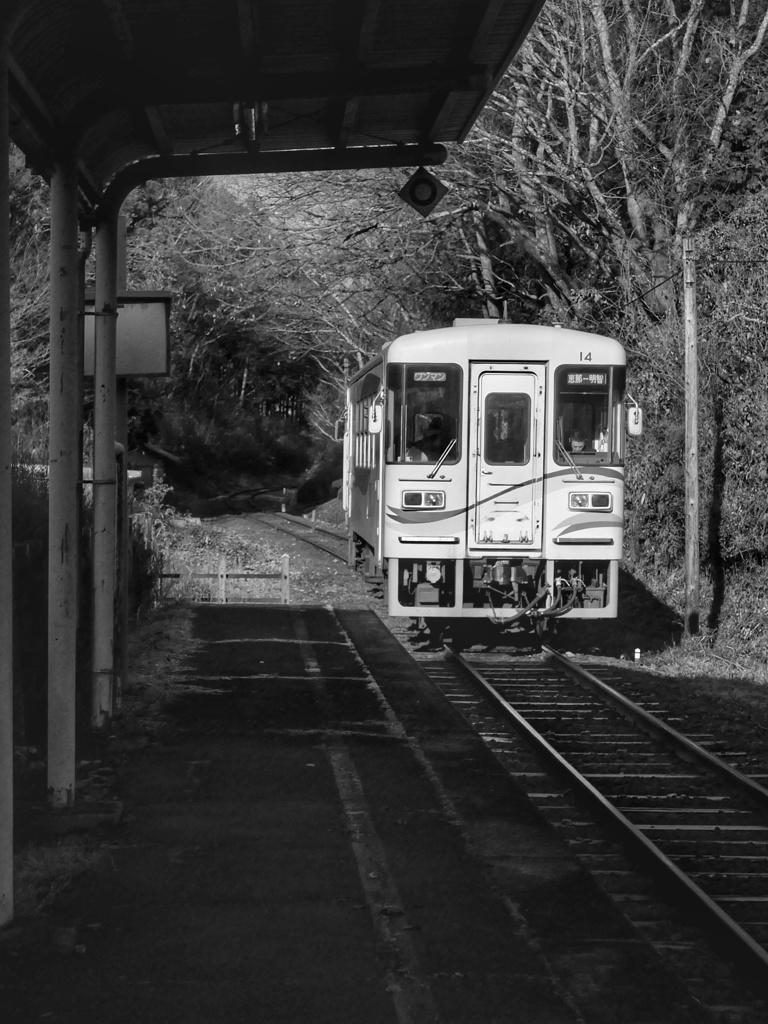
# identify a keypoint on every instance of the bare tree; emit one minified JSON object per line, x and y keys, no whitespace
{"x":29,"y":235}
{"x":317,"y":271}
{"x":609,"y":137}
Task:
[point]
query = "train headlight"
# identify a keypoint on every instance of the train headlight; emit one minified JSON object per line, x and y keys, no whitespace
{"x":423,"y":499}
{"x":597,"y":502}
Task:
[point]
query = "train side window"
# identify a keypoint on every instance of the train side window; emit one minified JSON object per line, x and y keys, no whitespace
{"x":585,"y":422}
{"x":366,"y":397}
{"x":424,"y":412}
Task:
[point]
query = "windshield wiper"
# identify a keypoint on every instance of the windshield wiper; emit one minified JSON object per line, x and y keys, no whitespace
{"x":567,"y":456}
{"x":451,"y":445}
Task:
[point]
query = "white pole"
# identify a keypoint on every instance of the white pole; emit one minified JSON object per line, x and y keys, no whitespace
{"x":63,"y":474}
{"x":285,"y":579}
{"x":104,"y":481}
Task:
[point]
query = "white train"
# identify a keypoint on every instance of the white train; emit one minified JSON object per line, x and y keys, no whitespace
{"x":484,"y":472}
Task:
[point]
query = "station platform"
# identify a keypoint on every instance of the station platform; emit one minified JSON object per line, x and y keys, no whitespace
{"x":318,"y":838}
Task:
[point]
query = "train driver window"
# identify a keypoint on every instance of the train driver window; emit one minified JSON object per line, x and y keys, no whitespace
{"x":424,"y":410}
{"x":584,"y":425}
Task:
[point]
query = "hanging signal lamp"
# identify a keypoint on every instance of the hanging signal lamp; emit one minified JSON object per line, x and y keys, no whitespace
{"x":423,"y":191}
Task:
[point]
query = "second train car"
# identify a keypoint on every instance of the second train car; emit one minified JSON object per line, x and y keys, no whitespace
{"x":484,"y":472}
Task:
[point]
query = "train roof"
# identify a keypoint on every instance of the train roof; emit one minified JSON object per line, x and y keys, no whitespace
{"x":488,"y":340}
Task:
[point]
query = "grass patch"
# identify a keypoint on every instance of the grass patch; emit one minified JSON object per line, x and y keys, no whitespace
{"x":42,"y":874}
{"x":704,"y":655}
{"x":732,"y":641}
{"x":184,"y":549}
{"x":190,"y":549}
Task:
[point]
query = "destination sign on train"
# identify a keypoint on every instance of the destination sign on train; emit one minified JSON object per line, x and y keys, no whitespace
{"x":420,"y":376}
{"x":587,"y":378}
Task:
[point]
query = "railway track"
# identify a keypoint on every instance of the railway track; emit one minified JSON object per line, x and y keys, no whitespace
{"x":675,"y":834}
{"x":330,"y":541}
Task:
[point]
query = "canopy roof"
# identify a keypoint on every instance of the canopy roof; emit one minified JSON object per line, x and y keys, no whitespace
{"x":156,"y":88}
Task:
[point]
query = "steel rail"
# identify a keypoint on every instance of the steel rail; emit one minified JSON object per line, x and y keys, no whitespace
{"x":680,"y":744}
{"x":307,"y":524}
{"x":737,"y":944}
{"x":303,"y":538}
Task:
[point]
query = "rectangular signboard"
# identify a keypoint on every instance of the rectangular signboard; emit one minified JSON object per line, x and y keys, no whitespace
{"x":143,"y":334}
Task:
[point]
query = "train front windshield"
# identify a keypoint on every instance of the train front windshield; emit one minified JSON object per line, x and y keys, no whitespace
{"x":588,"y":414}
{"x":423,"y":412}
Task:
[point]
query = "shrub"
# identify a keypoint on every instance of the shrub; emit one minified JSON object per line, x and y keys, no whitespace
{"x":216,"y":454}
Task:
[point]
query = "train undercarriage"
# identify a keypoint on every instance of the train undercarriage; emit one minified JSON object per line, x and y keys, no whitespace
{"x":510,"y":591}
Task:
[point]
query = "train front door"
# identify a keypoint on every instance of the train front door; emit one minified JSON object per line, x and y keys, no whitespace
{"x":506,"y":442}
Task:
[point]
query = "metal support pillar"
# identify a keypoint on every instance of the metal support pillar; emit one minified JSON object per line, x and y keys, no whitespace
{"x":64,"y":471}
{"x":123,"y":543}
{"x":121,"y":437}
{"x":104,"y":482}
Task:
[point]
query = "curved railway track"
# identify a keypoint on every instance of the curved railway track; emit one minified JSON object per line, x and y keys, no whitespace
{"x":677,"y":835}
{"x":330,"y":541}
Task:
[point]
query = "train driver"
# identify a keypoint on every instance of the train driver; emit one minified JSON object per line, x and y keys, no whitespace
{"x":430,"y":445}
{"x":577,"y":441}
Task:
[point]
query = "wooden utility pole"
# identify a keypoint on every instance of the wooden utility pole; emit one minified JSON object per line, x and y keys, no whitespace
{"x":7,"y":24}
{"x":691,"y":441}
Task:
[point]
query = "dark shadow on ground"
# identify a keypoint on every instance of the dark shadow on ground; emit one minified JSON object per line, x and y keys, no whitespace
{"x":643,"y":622}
